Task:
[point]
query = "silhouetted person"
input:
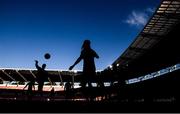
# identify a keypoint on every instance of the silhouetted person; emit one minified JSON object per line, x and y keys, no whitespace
{"x":41,"y":75}
{"x":89,"y":69}
{"x":68,"y":89}
{"x":101,"y":89}
{"x":52,"y":93}
{"x":30,"y":88}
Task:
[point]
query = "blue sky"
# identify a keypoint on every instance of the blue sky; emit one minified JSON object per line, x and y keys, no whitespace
{"x":30,"y":28}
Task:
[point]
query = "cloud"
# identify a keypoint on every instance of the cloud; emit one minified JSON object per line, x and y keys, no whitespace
{"x":150,"y":10}
{"x":139,"y":18}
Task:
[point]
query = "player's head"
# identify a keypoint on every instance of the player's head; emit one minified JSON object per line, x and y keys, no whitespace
{"x":86,"y":44}
{"x":43,"y":66}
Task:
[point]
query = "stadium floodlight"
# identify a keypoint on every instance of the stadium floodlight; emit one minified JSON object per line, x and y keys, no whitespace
{"x":75,"y":71}
{"x":117,"y":65}
{"x":111,"y":67}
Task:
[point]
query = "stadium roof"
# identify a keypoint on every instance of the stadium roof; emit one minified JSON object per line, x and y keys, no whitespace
{"x":157,"y":32}
{"x":162,"y":22}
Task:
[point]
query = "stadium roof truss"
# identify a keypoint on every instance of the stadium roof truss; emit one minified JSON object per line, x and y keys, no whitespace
{"x":24,"y":75}
{"x":166,"y":16}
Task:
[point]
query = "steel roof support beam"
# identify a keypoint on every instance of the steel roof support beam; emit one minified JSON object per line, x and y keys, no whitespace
{"x":169,"y":16}
{"x":126,"y":58}
{"x":32,"y":74}
{"x":8,"y":75}
{"x":151,"y":36}
{"x":73,"y":81}
{"x":138,"y":49}
{"x":21,"y":75}
{"x":50,"y":81}
{"x":2,"y":79}
{"x":60,"y":77}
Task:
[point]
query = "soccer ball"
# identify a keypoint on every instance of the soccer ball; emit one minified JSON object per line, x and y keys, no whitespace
{"x":47,"y":56}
